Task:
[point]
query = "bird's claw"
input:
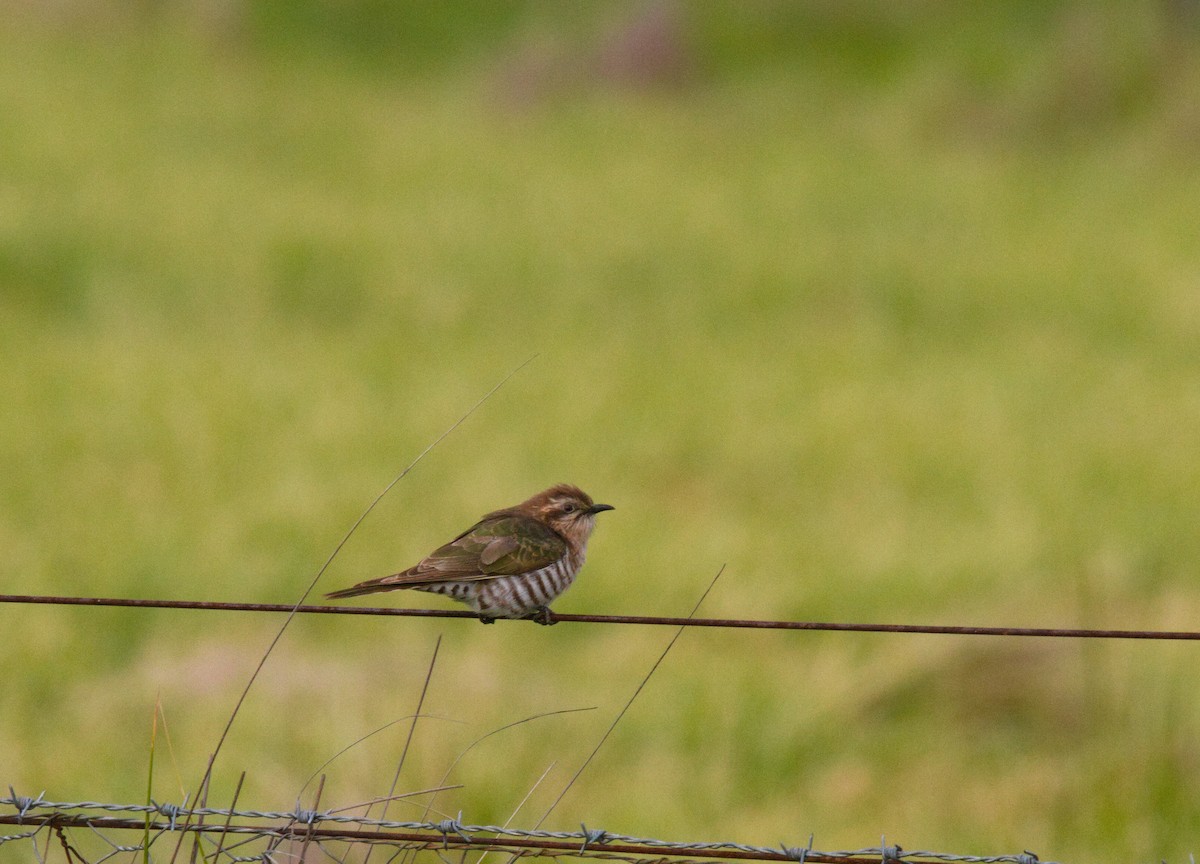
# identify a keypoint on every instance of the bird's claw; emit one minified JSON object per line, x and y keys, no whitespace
{"x":541,"y":615}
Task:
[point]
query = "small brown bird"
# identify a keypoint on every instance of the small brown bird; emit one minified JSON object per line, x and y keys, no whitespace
{"x":511,"y":563}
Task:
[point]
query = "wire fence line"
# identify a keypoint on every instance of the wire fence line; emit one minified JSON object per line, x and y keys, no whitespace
{"x":229,"y":839}
{"x":738,"y":623}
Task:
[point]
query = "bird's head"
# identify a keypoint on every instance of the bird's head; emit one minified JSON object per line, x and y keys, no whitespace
{"x":567,"y":509}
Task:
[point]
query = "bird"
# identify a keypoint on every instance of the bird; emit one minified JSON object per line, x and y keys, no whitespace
{"x":511,"y":563}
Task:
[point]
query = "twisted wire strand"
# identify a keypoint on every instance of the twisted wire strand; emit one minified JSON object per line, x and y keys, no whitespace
{"x":589,"y":842}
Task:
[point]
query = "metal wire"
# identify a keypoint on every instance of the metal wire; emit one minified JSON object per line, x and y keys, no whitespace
{"x":937,"y":629}
{"x":446,"y":834}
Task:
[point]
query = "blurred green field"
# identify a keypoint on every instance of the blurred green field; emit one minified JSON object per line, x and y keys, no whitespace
{"x":895,"y":312}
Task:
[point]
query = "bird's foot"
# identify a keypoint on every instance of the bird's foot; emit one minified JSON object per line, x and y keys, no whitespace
{"x":543,"y":615}
{"x":483,"y":619}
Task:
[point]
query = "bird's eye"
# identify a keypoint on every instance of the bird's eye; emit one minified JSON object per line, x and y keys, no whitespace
{"x":568,"y":508}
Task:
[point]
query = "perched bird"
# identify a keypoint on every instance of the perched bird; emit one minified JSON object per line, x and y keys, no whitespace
{"x":509,"y":564}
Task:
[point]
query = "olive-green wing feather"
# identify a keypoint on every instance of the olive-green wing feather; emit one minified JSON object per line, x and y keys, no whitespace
{"x":501,"y":545}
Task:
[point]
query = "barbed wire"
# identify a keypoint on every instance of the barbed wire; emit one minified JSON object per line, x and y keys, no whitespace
{"x":302,"y":825}
{"x":740,"y":623}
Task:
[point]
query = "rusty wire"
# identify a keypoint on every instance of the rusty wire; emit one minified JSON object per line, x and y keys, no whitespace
{"x":448,"y":835}
{"x":741,"y":623}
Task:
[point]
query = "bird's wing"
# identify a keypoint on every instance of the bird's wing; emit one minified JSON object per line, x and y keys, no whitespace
{"x":499,"y":546}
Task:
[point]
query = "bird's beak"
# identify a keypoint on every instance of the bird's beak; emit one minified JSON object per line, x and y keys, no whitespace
{"x":600,"y":508}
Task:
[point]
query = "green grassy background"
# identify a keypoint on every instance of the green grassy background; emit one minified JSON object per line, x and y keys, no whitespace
{"x":893,"y":311}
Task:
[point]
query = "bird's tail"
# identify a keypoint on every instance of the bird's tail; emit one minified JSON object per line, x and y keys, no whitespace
{"x":371,"y":586}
